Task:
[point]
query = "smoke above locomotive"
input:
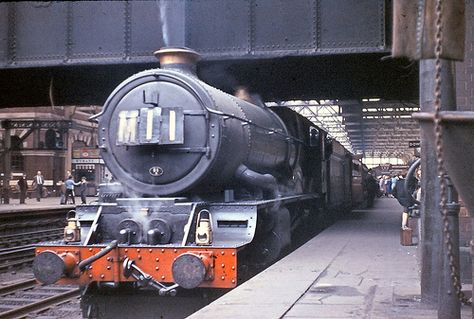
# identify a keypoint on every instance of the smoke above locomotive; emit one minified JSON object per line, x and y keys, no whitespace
{"x":164,"y":132}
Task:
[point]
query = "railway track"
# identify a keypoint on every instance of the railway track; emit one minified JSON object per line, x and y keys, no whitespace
{"x":26,"y":297}
{"x":11,"y":258}
{"x":17,"y":256}
{"x":20,"y":230}
{"x":29,"y":222}
{"x":29,"y":237}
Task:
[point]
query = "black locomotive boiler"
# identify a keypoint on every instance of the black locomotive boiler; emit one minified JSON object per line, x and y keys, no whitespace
{"x":207,"y":183}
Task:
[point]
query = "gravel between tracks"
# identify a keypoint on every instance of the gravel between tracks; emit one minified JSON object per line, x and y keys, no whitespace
{"x":69,"y":310}
{"x":15,"y":275}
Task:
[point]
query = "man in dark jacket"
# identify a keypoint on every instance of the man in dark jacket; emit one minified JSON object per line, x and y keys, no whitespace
{"x":82,"y":190}
{"x":372,"y":188}
{"x":23,"y":188}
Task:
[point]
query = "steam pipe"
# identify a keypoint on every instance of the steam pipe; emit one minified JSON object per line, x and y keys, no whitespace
{"x":250,"y":177}
{"x":86,"y":262}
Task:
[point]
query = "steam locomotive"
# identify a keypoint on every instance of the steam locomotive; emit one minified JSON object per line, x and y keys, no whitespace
{"x":208,"y":184}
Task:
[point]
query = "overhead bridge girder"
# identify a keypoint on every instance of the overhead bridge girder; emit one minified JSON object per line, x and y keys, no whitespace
{"x":282,"y":50}
{"x":129,"y":31}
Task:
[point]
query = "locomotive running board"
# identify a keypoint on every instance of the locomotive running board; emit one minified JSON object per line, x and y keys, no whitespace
{"x":268,"y":203}
{"x":234,"y":223}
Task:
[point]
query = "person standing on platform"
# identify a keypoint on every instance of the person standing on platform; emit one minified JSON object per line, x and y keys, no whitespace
{"x":62,"y":192}
{"x":405,"y":200}
{"x":388,"y":186}
{"x":22,"y":187}
{"x":393,"y":180}
{"x":38,"y":182}
{"x":382,"y":185}
{"x":70,"y":189}
{"x":83,"y":189}
{"x":371,"y":186}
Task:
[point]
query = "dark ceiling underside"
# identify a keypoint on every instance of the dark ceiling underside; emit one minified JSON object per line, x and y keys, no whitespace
{"x":336,"y":77}
{"x":341,"y":77}
{"x":282,"y":50}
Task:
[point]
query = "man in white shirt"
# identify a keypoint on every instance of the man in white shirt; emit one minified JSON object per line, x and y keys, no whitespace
{"x":38,"y":180}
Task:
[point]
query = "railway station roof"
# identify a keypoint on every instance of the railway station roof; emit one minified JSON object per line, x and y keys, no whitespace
{"x":372,"y":127}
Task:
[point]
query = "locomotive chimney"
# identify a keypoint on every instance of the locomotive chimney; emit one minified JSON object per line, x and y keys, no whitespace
{"x":176,"y":58}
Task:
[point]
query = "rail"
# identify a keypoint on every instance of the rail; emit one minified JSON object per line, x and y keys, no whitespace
{"x":17,"y":256}
{"x":22,"y":298}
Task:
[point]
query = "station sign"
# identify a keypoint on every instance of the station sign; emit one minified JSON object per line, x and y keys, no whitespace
{"x":86,"y":153}
{"x":28,"y":124}
{"x":87,"y":161}
{"x":414,"y":144}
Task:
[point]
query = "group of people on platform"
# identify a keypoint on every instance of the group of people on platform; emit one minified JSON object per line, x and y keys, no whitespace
{"x":394,"y":187}
{"x":380,"y":186}
{"x":22,"y":187}
{"x":66,"y":188}
{"x":387,"y":184}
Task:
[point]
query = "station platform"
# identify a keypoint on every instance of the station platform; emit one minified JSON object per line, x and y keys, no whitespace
{"x":31,"y":204}
{"x":354,"y":269}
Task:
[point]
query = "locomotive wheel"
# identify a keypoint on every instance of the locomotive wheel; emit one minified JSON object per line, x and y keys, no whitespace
{"x":270,"y":245}
{"x":265,"y":221}
{"x":268,"y":248}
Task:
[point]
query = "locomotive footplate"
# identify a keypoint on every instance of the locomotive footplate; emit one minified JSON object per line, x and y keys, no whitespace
{"x":188,"y":267}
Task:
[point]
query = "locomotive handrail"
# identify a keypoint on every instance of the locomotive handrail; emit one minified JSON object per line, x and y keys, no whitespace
{"x":187,"y":227}
{"x":94,"y":225}
{"x":220,"y":113}
{"x":216,"y":112}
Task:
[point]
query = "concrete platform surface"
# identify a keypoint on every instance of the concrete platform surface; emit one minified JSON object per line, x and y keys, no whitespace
{"x":31,"y":203}
{"x":354,"y":269}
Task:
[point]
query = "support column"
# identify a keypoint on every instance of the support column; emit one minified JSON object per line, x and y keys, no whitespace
{"x":7,"y":165}
{"x":435,"y":273}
